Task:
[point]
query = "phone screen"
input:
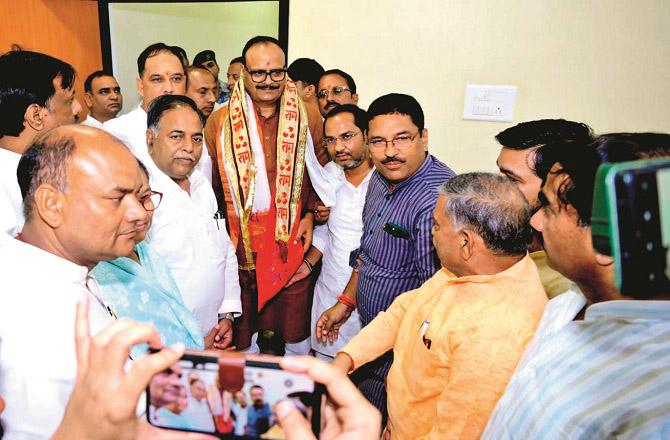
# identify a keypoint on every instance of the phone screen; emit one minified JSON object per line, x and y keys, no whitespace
{"x":189,"y":397}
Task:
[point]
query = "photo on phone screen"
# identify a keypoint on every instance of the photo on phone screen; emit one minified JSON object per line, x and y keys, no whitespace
{"x":189,"y":396}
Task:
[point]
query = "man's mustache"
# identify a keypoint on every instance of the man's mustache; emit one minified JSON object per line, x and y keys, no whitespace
{"x":267,"y":87}
{"x":393,"y":159}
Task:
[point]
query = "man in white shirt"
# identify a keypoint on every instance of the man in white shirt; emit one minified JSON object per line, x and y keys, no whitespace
{"x":187,"y":232}
{"x":161,"y":72}
{"x":198,"y":413}
{"x":37,"y":94}
{"x":80,"y":189}
{"x":350,"y":166}
{"x":103,"y":98}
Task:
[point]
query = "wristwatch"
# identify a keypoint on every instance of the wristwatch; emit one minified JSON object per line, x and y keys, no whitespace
{"x":228,"y":315}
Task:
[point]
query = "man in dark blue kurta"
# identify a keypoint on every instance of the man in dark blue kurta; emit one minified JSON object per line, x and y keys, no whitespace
{"x":396,"y":252}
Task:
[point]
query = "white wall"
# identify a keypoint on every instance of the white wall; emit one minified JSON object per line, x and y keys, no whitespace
{"x":222,"y":27}
{"x":603,"y":62}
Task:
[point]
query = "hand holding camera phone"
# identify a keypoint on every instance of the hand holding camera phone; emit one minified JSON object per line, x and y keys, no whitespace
{"x":229,"y":395}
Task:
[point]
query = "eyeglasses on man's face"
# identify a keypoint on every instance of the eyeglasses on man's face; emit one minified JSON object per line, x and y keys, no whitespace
{"x":330,"y":141}
{"x":151,"y":201}
{"x":336,"y":91}
{"x":259,"y":76}
{"x":401,"y":142}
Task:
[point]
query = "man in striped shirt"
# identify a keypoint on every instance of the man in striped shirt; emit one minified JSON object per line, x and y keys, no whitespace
{"x":607,"y":375}
{"x":396,"y":252}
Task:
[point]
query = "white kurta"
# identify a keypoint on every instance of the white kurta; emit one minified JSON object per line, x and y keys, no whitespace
{"x":336,"y":239}
{"x":131,"y":129}
{"x":11,"y":202}
{"x":37,"y":348}
{"x":91,"y":122}
{"x":198,"y":252}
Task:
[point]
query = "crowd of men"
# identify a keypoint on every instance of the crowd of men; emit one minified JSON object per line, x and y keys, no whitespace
{"x":269,"y":213}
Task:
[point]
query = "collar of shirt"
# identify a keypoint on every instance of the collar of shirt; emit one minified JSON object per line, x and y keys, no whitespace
{"x":629,"y":309}
{"x":418,"y":175}
{"x":516,"y":271}
{"x":164,"y":183}
{"x":60,"y":268}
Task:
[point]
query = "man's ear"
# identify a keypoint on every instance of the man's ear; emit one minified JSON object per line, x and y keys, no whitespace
{"x":354,"y":98}
{"x":424,"y":139}
{"x":34,"y":117}
{"x":48,"y":202}
{"x":466,"y":243}
{"x":88,"y":99}
{"x":140,"y":86}
{"x":604,"y":260}
{"x":150,"y":141}
{"x":310,"y":91}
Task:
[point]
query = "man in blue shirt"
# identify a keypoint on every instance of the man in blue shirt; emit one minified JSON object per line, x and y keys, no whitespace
{"x":396,"y":252}
{"x":259,"y":414}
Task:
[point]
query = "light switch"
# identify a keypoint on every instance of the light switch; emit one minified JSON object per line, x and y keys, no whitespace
{"x":489,"y":103}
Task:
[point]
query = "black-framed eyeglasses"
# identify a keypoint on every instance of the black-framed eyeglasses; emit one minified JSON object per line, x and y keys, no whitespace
{"x":336,"y":91}
{"x":151,"y":201}
{"x":330,"y":141}
{"x":259,"y":76}
{"x":400,"y":142}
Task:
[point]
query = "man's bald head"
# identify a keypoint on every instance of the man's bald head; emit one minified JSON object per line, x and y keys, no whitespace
{"x":79,"y":187}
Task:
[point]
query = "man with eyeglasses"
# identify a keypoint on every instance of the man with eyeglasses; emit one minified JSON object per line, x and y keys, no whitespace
{"x":187,"y":231}
{"x":262,"y":137}
{"x":396,"y":253}
{"x":335,"y":87}
{"x":346,"y":143}
{"x":81,"y":190}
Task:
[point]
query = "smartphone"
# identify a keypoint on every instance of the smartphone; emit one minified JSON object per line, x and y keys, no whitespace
{"x":229,"y":395}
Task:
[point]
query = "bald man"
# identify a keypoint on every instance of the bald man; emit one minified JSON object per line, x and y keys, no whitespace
{"x":80,"y":190}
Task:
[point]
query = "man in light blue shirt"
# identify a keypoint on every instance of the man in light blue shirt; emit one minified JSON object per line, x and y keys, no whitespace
{"x":607,"y":375}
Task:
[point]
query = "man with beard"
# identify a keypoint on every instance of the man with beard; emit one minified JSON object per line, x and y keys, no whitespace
{"x":517,"y":160}
{"x":262,"y":137}
{"x":346,"y":142}
{"x":396,"y":252}
{"x":259,"y":414}
{"x":335,"y":87}
{"x":103,"y":98}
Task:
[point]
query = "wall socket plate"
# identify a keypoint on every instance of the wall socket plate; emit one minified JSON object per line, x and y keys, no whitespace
{"x":489,"y":103}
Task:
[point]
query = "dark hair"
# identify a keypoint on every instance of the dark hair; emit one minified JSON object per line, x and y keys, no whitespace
{"x":256,"y":386}
{"x":154,"y":50}
{"x":360,"y":116}
{"x":532,"y":134}
{"x":88,"y":84}
{"x":181,"y":53}
{"x":493,"y":207}
{"x":580,"y":161}
{"x":397,"y":103}
{"x":258,"y":40}
{"x":204,"y":56}
{"x":306,"y":70}
{"x":169,"y":102}
{"x":350,"y":81}
{"x":26,"y":78}
{"x":236,"y":60}
{"x":45,"y":161}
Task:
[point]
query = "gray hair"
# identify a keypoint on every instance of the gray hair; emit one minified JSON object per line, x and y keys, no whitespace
{"x":493,"y":207}
{"x":44,"y":162}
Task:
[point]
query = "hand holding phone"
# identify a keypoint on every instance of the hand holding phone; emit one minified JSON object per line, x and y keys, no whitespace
{"x":229,"y":395}
{"x":346,"y":415}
